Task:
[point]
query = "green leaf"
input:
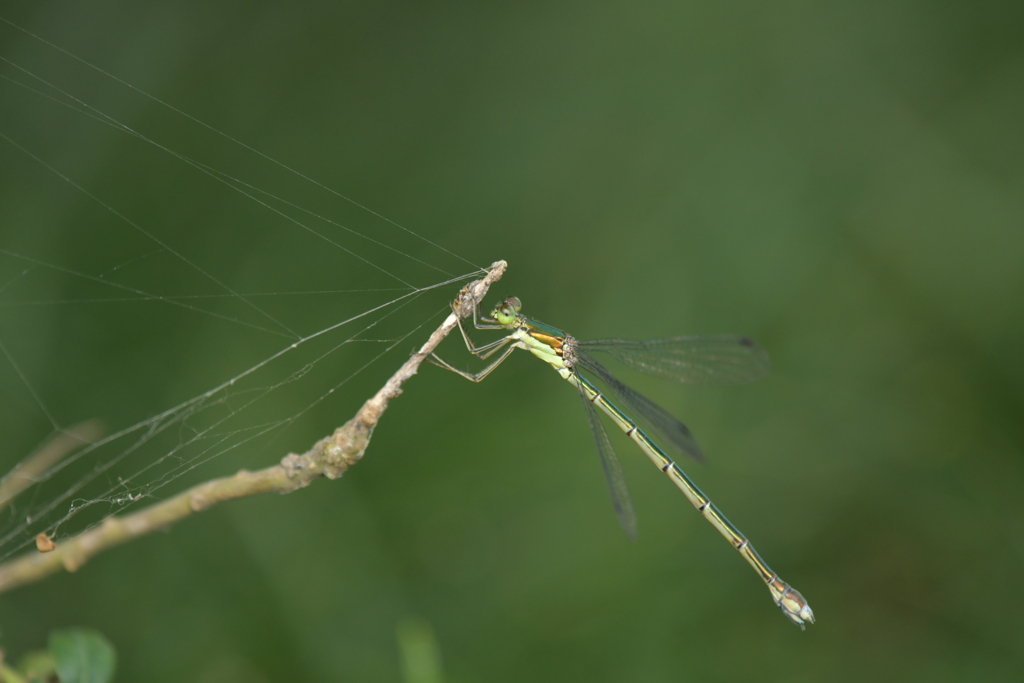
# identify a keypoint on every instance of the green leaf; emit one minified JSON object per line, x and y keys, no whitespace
{"x":82,"y":656}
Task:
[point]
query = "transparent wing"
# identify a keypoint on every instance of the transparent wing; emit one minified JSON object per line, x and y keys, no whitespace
{"x":713,"y":359}
{"x":644,"y":408}
{"x":613,"y":474}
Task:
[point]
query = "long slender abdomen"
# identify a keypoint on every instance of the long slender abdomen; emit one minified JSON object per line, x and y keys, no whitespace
{"x":793,"y":605}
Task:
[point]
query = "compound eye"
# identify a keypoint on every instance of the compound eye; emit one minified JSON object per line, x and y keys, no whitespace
{"x":504,"y":314}
{"x":515,"y":303}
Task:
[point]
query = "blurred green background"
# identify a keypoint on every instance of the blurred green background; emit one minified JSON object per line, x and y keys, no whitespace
{"x":843,"y":182}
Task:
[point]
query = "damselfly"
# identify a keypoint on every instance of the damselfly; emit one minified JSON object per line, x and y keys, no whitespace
{"x":708,"y":359}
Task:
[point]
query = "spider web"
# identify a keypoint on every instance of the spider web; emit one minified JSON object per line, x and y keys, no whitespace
{"x":109,"y":311}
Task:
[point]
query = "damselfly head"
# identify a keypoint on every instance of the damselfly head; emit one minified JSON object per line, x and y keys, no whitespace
{"x":505,"y":313}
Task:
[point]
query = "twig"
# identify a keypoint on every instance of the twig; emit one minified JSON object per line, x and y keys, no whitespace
{"x":46,"y":456}
{"x":330,"y":457}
